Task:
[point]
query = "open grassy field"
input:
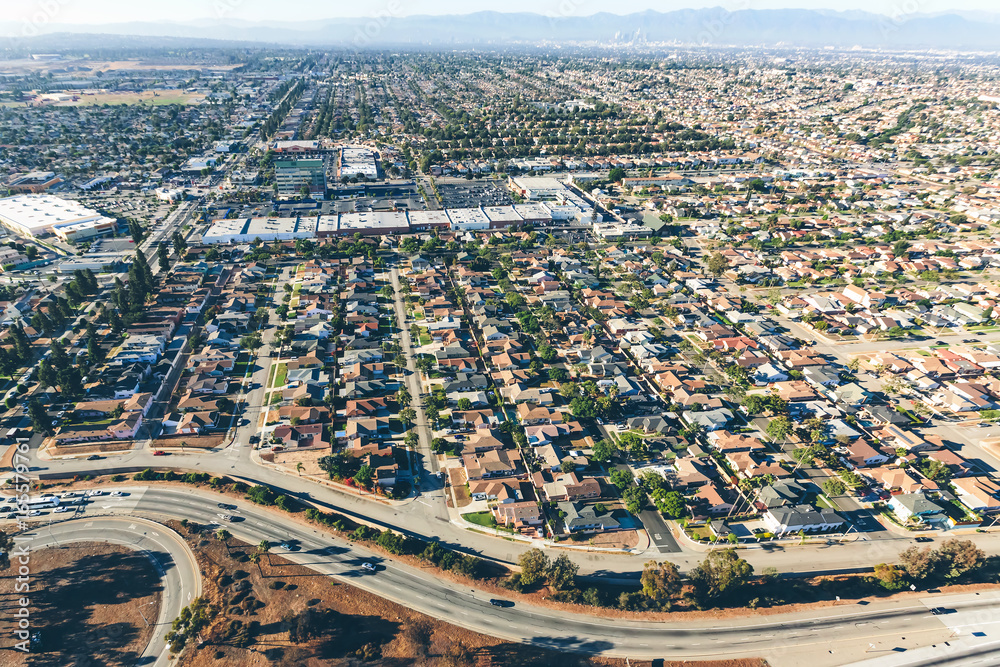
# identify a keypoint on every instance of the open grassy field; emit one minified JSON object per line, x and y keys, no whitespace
{"x":153,"y":97}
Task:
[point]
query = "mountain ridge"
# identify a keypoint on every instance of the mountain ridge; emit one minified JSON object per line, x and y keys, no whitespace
{"x":715,"y":26}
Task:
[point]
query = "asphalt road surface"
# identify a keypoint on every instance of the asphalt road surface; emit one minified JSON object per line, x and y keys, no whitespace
{"x":833,"y":635}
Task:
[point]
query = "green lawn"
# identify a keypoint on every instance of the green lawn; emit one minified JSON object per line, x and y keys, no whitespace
{"x":425,"y":339}
{"x":280,"y":375}
{"x":484,"y":519}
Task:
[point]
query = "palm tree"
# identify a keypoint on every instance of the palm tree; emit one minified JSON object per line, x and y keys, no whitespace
{"x":224,"y":536}
{"x":264,"y":548}
{"x":298,"y":468}
{"x":255,"y":558}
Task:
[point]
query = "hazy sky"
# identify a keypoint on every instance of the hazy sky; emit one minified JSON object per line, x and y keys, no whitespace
{"x":115,"y":11}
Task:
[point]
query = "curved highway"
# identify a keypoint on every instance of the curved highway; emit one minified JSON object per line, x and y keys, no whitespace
{"x":172,"y":558}
{"x":427,"y":517}
{"x":834,"y":635}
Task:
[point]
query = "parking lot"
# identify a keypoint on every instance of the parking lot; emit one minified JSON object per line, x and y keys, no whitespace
{"x":472,"y":195}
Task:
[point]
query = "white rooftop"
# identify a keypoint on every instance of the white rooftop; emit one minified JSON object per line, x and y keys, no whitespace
{"x":39,"y":212}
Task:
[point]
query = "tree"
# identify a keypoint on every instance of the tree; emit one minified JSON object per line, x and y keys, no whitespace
{"x":163,"y":257}
{"x":534,"y":566}
{"x":180,"y":245}
{"x":403,"y":397}
{"x":635,"y":499}
{"x":621,"y":478}
{"x":223,"y":536}
{"x":408,"y":416}
{"x":670,"y":503}
{"x":616,"y":175}
{"x":604,"y":450}
{"x":890,"y":577}
{"x":635,"y":444}
{"x":39,"y":417}
{"x":561,"y":574}
{"x":411,"y":439}
{"x":660,"y":581}
{"x":920,"y":564}
{"x":717,"y":264}
{"x":834,"y":487}
{"x":779,"y":427}
{"x":255,"y":559}
{"x":252,"y":341}
{"x":720,"y":574}
{"x":960,"y":557}
{"x":464,"y":404}
{"x":363,"y":478}
{"x":264,"y":547}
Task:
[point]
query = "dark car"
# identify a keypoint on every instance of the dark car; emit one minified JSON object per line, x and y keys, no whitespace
{"x":501,"y":603}
{"x":924,"y":538}
{"x":941,"y":611}
{"x":93,"y":457}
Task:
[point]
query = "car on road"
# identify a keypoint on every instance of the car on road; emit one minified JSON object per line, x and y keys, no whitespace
{"x":368,"y":567}
{"x":924,"y":538}
{"x":35,"y":513}
{"x":501,"y":603}
{"x":118,"y":493}
{"x":60,"y":510}
{"x":95,"y":492}
{"x":941,"y":611}
{"x":159,"y":452}
{"x":225,"y":506}
{"x":225,"y":517}
{"x":254,"y":439}
{"x":68,"y":494}
{"x":93,"y":457}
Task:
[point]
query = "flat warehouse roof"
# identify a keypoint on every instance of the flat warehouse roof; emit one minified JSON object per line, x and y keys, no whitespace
{"x":37,"y":212}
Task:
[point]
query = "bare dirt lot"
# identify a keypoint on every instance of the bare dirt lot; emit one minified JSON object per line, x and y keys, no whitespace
{"x":88,"y":601}
{"x":260,"y":609}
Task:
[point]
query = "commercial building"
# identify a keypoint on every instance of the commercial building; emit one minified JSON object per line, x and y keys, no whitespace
{"x":373,"y":223}
{"x":502,"y":217}
{"x":296,"y":146}
{"x":36,"y":181}
{"x":291,"y":174}
{"x":245,"y":230}
{"x":468,"y":219}
{"x":561,"y":202}
{"x":422,"y":221}
{"x":358,"y":162}
{"x":35,"y":216}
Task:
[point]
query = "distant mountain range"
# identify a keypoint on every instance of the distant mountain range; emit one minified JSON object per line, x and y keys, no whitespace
{"x":718,"y":27}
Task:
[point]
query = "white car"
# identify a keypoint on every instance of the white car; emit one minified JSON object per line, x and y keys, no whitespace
{"x":117,"y":493}
{"x":95,"y":492}
{"x":70,"y":494}
{"x":60,"y":510}
{"x":35,"y":513}
{"x":368,"y":566}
